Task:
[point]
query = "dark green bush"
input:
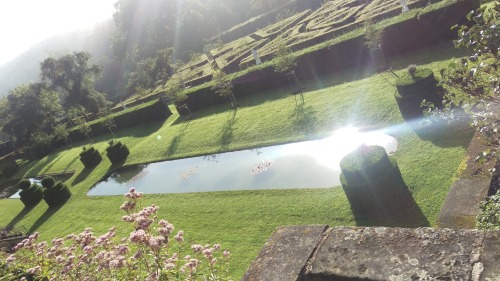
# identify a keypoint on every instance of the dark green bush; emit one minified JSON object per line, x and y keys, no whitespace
{"x":31,"y":196}
{"x":414,"y":86}
{"x":56,"y":195}
{"x":48,"y":182}
{"x":90,"y":157}
{"x":24,"y":184}
{"x":10,"y":169}
{"x":117,"y":152}
{"x":371,"y":180}
{"x":40,"y":150}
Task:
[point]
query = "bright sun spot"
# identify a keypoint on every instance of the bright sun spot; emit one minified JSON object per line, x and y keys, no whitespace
{"x":330,"y":151}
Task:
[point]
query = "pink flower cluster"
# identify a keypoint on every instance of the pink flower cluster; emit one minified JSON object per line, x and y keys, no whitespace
{"x":148,"y":253}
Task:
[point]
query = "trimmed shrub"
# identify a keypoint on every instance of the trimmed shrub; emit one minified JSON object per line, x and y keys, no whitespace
{"x":48,"y":182}
{"x":90,"y":157}
{"x":24,"y":184}
{"x":57,"y":194}
{"x":372,"y":181}
{"x":117,"y":152}
{"x":10,"y":169}
{"x":31,"y":196}
{"x":414,"y":86}
{"x":40,"y":150}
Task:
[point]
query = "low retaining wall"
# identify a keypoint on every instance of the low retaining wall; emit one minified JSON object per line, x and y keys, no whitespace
{"x":317,"y":253}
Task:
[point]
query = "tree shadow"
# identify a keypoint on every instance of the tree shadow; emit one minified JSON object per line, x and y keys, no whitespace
{"x":227,"y":134}
{"x":82,"y":175}
{"x":304,"y":118}
{"x":172,"y":148}
{"x":44,"y":217}
{"x":20,"y":216}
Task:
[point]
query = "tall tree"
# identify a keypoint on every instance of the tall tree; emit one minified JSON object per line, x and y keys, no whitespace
{"x":31,"y":110}
{"x":73,"y":75}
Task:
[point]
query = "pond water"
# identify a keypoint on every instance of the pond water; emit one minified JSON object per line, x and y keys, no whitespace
{"x":309,"y":164}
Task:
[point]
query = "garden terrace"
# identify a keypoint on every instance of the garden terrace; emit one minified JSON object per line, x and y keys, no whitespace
{"x":320,"y":52}
{"x":242,"y":220}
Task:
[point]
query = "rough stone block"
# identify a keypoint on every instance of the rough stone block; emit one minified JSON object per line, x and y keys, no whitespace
{"x":461,"y":205}
{"x":285,"y":253}
{"x":350,"y":253}
{"x":490,"y":257}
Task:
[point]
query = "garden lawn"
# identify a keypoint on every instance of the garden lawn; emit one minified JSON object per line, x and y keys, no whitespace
{"x":242,"y":220}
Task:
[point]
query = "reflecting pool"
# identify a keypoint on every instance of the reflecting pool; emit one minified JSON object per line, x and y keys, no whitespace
{"x":309,"y":164}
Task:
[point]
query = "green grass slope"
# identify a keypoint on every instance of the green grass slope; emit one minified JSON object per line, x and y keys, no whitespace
{"x":242,"y":220}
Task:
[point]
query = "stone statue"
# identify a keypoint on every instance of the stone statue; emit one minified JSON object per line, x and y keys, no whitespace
{"x":256,"y":57}
{"x":404,"y":5}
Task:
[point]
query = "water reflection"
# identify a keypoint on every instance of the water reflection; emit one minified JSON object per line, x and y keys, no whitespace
{"x":311,"y":164}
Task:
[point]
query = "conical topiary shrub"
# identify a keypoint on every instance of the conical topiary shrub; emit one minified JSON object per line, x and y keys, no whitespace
{"x":30,"y":194}
{"x":117,"y":152}
{"x":55,"y":193}
{"x":372,"y":182}
{"x":414,"y":86}
{"x":90,"y":157}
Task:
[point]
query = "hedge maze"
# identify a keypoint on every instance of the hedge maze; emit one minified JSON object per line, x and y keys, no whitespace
{"x":299,"y":31}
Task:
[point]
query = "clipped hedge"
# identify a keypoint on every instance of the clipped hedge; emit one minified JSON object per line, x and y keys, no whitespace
{"x":90,"y":157}
{"x":413,"y":89}
{"x":150,"y":112}
{"x":371,"y":181}
{"x":31,"y":196}
{"x":10,"y":169}
{"x":6,"y":148}
{"x":117,"y":152}
{"x":24,"y":184}
{"x":426,"y":29}
{"x":56,"y":194}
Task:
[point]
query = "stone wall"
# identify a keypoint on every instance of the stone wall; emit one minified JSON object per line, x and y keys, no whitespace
{"x":317,"y":253}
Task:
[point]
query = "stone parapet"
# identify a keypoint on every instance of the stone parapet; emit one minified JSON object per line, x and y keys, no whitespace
{"x":318,"y":253}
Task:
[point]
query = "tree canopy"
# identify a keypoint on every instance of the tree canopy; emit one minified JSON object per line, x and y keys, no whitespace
{"x":74,"y":75}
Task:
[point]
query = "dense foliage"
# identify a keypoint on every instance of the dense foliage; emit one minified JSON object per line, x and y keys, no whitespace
{"x":490,"y":213}
{"x":474,"y":81}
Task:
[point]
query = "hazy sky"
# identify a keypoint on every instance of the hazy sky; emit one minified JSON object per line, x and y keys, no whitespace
{"x":26,"y":22}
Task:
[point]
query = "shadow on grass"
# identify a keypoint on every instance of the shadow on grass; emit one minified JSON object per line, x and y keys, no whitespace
{"x":227,"y":134}
{"x":172,"y":148}
{"x":82,"y":176}
{"x":304,"y":118}
{"x":44,"y":217}
{"x":444,"y":134}
{"x":20,"y":216}
{"x":404,"y":212}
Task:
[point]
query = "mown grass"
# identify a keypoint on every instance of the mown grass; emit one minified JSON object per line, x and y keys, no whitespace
{"x":242,"y":220}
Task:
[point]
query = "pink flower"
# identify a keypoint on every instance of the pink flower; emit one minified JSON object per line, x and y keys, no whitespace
{"x":226,"y":254}
{"x":180,"y":236}
{"x":35,"y":270}
{"x":138,"y":236}
{"x":11,"y":258}
{"x":197,"y":248}
{"x":207,"y":253}
{"x":216,"y":247}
